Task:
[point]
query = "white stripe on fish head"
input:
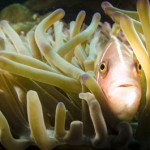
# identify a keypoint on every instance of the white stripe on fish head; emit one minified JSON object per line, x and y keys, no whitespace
{"x":118,"y":45}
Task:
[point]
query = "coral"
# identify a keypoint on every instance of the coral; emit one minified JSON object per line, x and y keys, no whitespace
{"x":48,"y":83}
{"x":16,"y":13}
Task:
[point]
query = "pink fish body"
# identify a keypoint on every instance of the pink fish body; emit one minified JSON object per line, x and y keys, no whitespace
{"x":118,"y":75}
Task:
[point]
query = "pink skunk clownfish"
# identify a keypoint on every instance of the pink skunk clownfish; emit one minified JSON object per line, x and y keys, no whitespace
{"x":118,"y":74}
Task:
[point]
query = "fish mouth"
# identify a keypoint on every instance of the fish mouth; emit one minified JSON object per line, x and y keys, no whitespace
{"x":126,"y":85}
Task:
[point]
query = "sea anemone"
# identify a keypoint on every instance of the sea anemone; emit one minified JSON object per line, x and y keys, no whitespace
{"x":48,"y":80}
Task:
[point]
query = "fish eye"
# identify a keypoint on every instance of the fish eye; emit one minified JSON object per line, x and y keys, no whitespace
{"x":103,"y":67}
{"x":139,"y":67}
